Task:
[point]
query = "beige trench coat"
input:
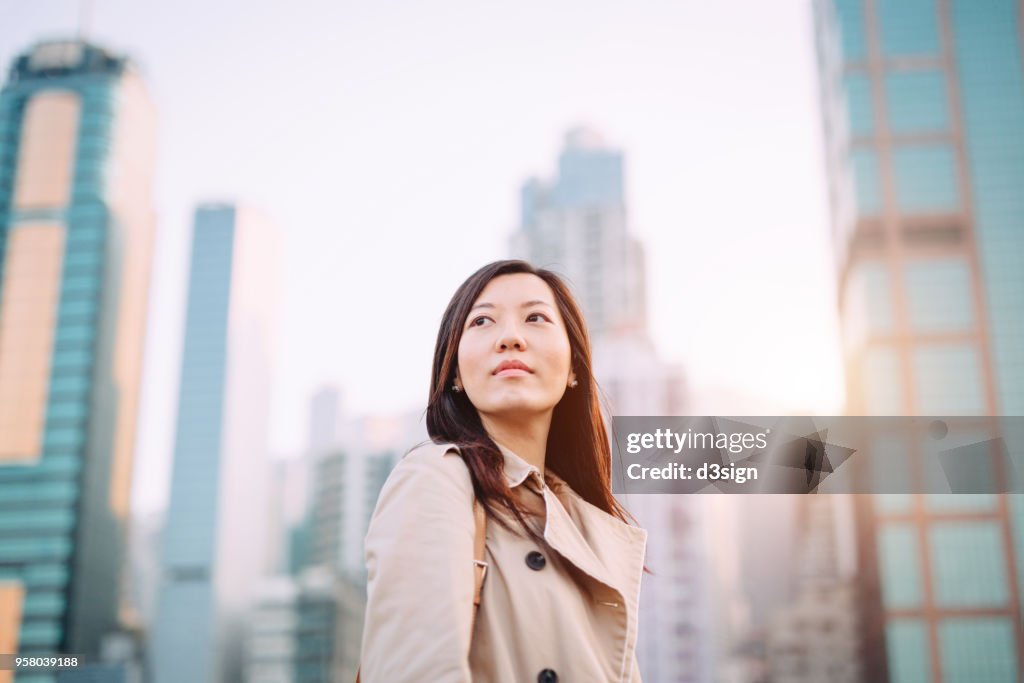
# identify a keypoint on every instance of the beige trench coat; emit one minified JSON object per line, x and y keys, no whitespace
{"x":563,"y":611}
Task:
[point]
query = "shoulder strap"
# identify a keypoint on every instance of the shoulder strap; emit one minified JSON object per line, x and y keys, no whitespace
{"x":479,"y":564}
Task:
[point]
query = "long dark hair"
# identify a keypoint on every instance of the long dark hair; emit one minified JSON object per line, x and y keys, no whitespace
{"x":578,"y":450}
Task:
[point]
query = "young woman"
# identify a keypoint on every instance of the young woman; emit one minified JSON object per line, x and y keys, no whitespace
{"x":515,"y":423}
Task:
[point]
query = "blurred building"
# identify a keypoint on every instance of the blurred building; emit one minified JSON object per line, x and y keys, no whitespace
{"x":815,"y":638}
{"x":345,"y":492}
{"x":77,"y":143}
{"x":346,"y":481}
{"x":292,"y":632}
{"x":577,"y":225}
{"x":215,"y":540}
{"x":923,"y":108}
{"x":814,"y":635}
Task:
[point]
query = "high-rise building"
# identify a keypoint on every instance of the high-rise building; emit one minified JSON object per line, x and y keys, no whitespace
{"x":293,"y":634}
{"x":345,"y":490}
{"x":813,"y":634}
{"x":577,"y":226}
{"x":77,"y":146}
{"x":215,"y":539}
{"x":923,"y":109}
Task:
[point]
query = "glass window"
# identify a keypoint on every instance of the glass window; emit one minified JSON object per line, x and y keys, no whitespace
{"x":67,"y":410}
{"x":969,"y":564}
{"x":867,"y":306}
{"x":1016,"y":504}
{"x":961,"y":502}
{"x":947,"y":380}
{"x":977,"y":650}
{"x":908,"y":27}
{"x":46,"y":574}
{"x":40,"y":635}
{"x":69,"y":437}
{"x":850,"y":16}
{"x":898,"y":561}
{"x":59,"y":519}
{"x":22,"y":549}
{"x":916,"y":101}
{"x":76,"y":332}
{"x":988,"y":59}
{"x":858,"y":98}
{"x":892,"y":503}
{"x":39,"y":603}
{"x":906,"y":641}
{"x":939,"y":295}
{"x":80,"y":307}
{"x":866,"y":181}
{"x":926,"y":178}
{"x":71,"y":383}
{"x":883,"y":387}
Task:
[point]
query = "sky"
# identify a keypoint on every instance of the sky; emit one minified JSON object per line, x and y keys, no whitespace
{"x":387,"y":141}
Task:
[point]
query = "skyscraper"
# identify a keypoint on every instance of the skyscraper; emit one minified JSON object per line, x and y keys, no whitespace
{"x":77,"y":143}
{"x":577,"y":225}
{"x":923,"y":108}
{"x":215,"y":539}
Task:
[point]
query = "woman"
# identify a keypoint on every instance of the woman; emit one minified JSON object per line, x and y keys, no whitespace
{"x":514,"y":420}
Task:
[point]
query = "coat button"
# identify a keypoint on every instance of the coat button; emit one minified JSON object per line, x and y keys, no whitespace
{"x":534,"y":560}
{"x":547,"y":676}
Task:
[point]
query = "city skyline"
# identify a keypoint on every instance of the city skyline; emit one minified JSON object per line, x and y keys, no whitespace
{"x":380,"y":130}
{"x":222,"y":270}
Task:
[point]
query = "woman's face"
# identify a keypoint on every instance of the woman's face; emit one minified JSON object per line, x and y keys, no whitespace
{"x":515,"y":318}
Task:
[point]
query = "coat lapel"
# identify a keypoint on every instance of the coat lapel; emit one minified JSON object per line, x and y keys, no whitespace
{"x":599,"y":544}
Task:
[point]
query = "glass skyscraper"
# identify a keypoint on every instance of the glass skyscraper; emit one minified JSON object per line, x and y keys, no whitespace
{"x":923,"y":111}
{"x":215,"y":539}
{"x":77,"y":141}
{"x":577,"y":225}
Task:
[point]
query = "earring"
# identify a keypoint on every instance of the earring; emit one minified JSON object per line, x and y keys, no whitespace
{"x":573,"y":384}
{"x":455,"y":388}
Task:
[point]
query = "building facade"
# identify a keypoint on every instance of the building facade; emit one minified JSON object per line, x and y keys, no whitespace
{"x":923,"y":110}
{"x":77,"y":149}
{"x":215,"y":539}
{"x":577,"y":226}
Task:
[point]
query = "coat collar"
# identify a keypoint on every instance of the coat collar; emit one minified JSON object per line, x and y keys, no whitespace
{"x":517,"y":469}
{"x":601,"y":545}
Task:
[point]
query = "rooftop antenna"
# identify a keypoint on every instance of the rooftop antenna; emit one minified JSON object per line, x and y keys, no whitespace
{"x":85,"y":8}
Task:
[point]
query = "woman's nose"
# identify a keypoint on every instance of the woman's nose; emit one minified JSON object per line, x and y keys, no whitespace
{"x":511,"y":336}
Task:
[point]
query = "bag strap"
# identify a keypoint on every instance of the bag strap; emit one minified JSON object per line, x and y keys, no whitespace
{"x":479,"y":564}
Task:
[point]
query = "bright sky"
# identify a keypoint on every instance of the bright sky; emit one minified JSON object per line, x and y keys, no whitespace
{"x":388,"y":141}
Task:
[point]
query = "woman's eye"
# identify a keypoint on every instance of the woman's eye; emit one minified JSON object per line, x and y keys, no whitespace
{"x":474,"y":322}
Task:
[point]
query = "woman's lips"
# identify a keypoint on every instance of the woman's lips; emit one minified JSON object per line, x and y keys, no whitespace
{"x":512,"y":372}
